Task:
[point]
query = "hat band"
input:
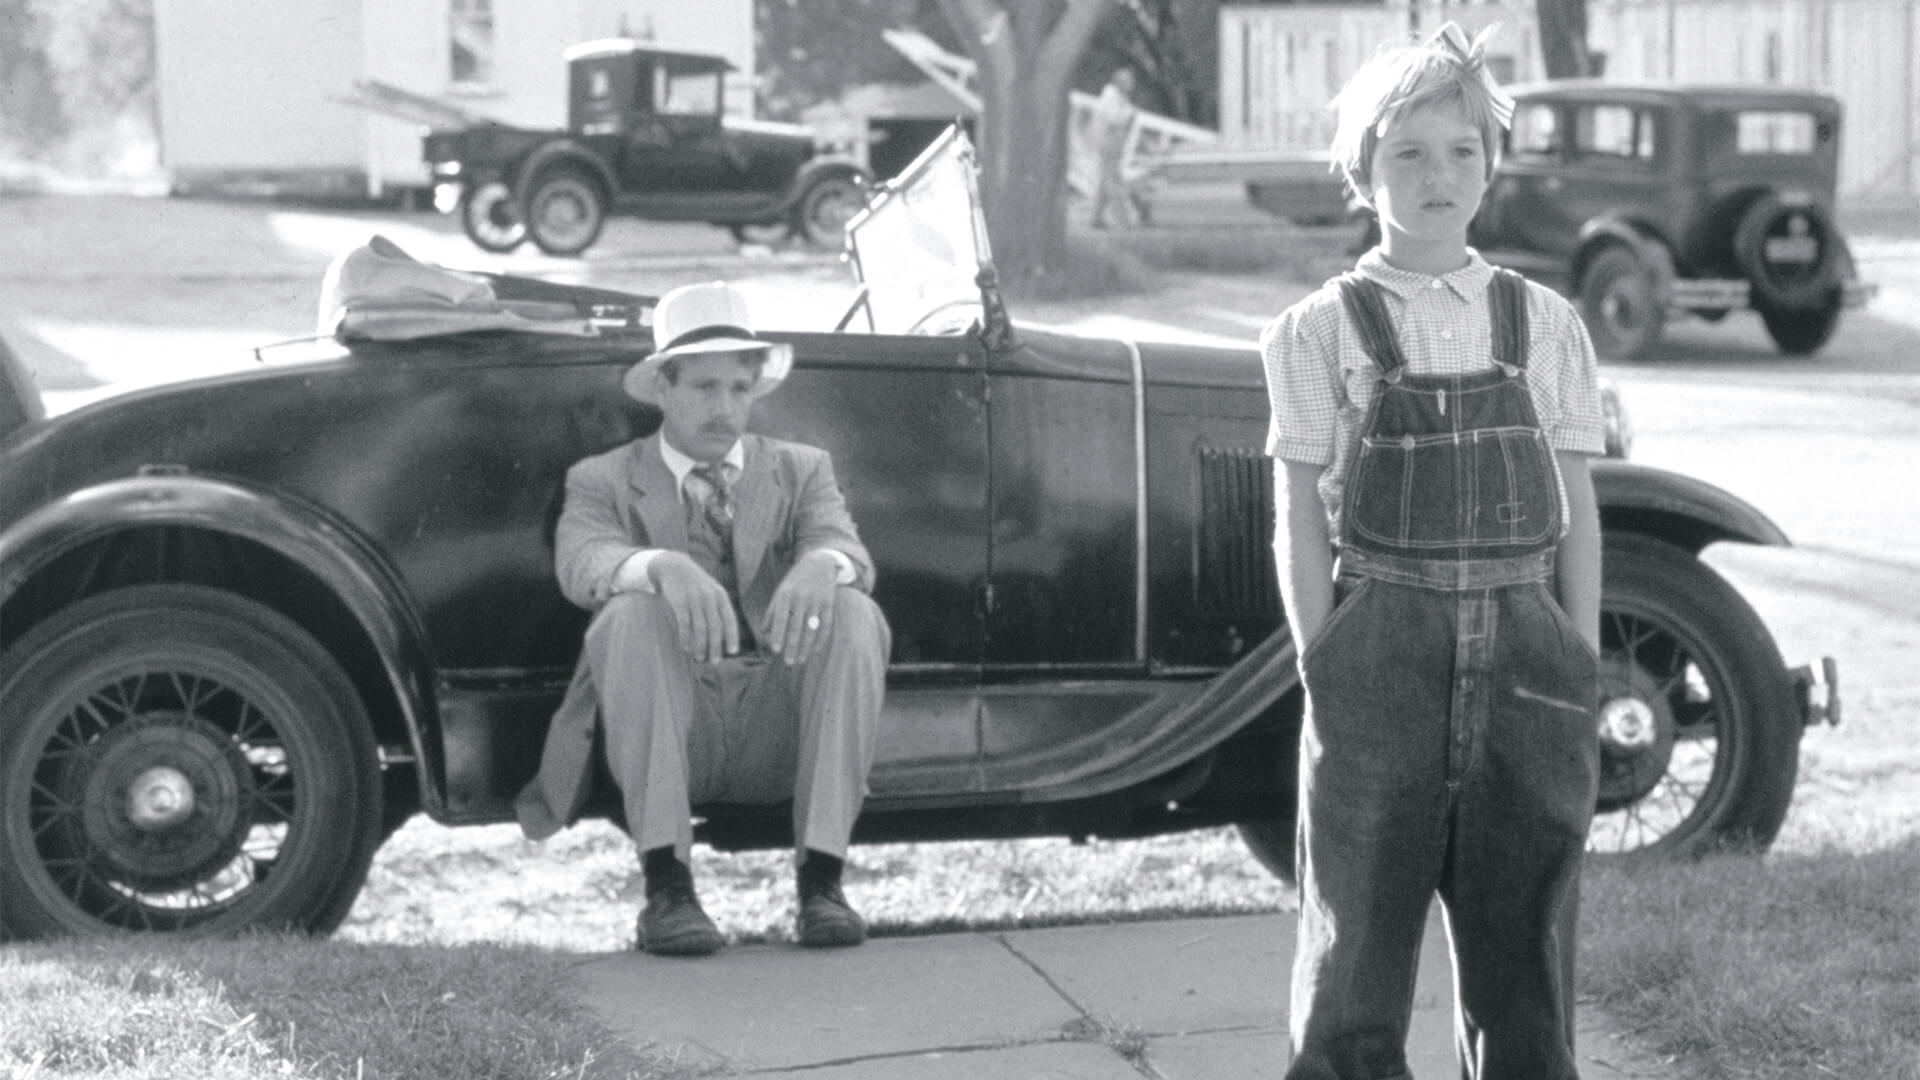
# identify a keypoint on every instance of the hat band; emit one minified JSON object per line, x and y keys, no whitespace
{"x":708,"y":333}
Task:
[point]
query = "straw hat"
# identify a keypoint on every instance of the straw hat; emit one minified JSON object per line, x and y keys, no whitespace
{"x":700,"y":320}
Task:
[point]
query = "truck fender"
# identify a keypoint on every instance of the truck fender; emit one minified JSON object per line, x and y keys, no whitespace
{"x":557,"y":152}
{"x":1679,"y":509}
{"x":1646,"y":246}
{"x":346,"y":564}
{"x":813,"y":170}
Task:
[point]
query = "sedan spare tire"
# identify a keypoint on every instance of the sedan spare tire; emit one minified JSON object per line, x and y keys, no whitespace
{"x":1789,"y":251}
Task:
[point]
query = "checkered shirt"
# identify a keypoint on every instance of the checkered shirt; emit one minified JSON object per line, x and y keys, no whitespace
{"x":1320,"y":379}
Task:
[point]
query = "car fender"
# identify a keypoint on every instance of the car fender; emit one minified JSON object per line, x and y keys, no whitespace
{"x":1679,"y":509}
{"x":558,"y":152}
{"x":1649,"y":248}
{"x":345,"y":563}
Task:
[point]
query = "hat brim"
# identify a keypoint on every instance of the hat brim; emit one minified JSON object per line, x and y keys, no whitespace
{"x":641,"y":381}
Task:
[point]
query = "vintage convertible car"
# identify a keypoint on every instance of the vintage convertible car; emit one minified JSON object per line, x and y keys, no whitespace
{"x":250,"y":624}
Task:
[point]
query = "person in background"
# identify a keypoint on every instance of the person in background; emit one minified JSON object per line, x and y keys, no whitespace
{"x":1113,"y":117}
{"x":735,"y":654}
{"x":1438,"y":549}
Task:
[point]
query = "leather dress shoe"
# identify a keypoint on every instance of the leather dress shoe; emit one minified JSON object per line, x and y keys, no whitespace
{"x":674,"y":924}
{"x":827,"y":920}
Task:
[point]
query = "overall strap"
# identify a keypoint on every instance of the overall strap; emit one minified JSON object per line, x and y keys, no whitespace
{"x":1369,"y":314}
{"x":1507,"y":307}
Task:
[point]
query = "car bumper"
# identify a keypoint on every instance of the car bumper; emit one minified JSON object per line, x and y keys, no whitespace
{"x":1734,"y":294}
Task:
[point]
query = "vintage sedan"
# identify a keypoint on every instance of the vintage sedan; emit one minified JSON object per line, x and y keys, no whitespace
{"x":250,"y":624}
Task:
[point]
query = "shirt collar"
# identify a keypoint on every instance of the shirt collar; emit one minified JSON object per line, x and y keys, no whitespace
{"x":680,"y":464}
{"x":1467,"y":282}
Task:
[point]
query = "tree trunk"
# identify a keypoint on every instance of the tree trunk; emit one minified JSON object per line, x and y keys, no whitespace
{"x":1563,"y":38}
{"x":1026,"y":52}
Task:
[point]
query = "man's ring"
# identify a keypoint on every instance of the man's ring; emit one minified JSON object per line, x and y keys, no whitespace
{"x":813,"y":622}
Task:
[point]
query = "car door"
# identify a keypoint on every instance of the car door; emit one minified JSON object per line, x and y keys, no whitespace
{"x":905,"y":418}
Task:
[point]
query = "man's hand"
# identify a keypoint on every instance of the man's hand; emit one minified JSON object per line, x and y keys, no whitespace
{"x":701,"y":610}
{"x":802,"y":606}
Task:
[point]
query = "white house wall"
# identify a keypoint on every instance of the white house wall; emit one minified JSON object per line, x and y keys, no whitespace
{"x":251,"y":87}
{"x":244,"y":84}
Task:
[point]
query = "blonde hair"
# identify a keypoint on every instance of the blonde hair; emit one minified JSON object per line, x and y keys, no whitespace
{"x":1402,"y":77}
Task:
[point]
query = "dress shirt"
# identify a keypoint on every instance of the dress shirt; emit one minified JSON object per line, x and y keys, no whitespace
{"x":631,"y":575}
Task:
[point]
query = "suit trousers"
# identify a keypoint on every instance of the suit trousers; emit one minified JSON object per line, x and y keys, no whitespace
{"x":747,"y":729}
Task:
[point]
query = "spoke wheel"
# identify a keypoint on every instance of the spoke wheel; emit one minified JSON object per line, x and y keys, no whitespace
{"x":488,"y":216}
{"x":826,"y":208}
{"x":565,"y":211}
{"x":177,"y":759}
{"x":1699,"y":739}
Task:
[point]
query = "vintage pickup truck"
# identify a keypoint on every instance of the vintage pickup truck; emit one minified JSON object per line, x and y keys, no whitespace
{"x":646,"y":135}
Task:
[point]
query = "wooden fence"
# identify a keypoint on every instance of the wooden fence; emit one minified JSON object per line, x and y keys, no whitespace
{"x":1280,"y":65}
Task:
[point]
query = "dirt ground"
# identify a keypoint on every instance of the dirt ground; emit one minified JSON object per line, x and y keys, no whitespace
{"x":104,"y":293}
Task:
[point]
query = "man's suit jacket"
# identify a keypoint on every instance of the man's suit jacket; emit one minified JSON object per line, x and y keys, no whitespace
{"x":786,"y":503}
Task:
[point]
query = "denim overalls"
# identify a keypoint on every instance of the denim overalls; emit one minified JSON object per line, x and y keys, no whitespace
{"x":1449,"y":745}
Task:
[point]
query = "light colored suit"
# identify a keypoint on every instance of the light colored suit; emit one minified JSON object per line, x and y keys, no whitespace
{"x":746,"y":729}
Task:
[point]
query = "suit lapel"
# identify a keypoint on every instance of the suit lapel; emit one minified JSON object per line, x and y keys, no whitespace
{"x":656,"y":499}
{"x":758,"y":505}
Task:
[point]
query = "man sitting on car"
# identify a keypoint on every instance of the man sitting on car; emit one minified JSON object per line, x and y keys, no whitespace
{"x":734,"y":654}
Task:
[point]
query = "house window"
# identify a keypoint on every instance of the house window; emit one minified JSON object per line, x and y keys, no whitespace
{"x":470,"y":36}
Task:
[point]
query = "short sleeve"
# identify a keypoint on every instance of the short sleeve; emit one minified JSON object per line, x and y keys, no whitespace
{"x":1571,"y":414}
{"x":1299,"y":353}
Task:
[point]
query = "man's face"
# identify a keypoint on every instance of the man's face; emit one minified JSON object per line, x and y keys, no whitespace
{"x":706,"y":406}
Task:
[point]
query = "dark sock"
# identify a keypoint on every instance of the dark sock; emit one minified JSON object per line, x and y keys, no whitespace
{"x":820,"y":869}
{"x":661,"y":866}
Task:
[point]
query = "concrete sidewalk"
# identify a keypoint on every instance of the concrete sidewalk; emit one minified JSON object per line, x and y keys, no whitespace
{"x":1182,"y":999}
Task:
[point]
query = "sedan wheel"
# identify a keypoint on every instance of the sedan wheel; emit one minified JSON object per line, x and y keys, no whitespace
{"x":1801,"y":331}
{"x":179,"y":759}
{"x":1620,"y":305}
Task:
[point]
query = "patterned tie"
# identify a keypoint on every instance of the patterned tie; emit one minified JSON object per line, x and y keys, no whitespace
{"x":717,"y":499}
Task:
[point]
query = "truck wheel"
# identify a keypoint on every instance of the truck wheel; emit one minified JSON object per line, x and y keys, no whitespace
{"x":1790,"y":253}
{"x":1800,"y":331}
{"x":826,"y":208}
{"x":177,"y":759}
{"x":565,"y":211}
{"x":1620,"y":305}
{"x":1699,"y":736}
{"x":490,"y":220}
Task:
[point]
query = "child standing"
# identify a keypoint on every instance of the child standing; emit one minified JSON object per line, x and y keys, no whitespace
{"x":1439,"y":556}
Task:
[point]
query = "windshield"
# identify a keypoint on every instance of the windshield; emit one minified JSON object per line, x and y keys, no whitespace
{"x":918,"y":246}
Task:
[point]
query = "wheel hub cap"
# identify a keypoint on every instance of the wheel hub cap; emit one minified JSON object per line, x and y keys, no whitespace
{"x":163,"y":798}
{"x":1637,"y":733}
{"x":160,"y":797}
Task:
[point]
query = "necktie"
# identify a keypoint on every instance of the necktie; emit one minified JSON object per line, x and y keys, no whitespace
{"x":716,"y":500}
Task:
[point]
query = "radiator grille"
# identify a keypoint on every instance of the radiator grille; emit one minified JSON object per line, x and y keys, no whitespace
{"x":1235,"y":578}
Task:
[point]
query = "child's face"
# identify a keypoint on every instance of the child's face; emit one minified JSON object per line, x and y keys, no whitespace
{"x":1429,"y":170}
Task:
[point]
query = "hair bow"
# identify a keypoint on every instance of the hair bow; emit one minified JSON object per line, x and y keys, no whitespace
{"x":1472,"y":55}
